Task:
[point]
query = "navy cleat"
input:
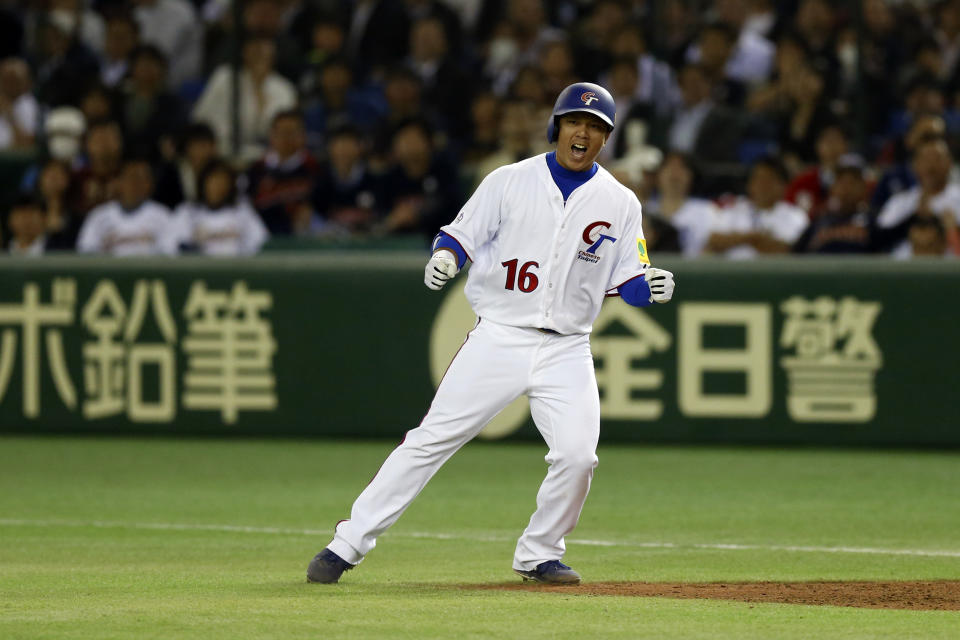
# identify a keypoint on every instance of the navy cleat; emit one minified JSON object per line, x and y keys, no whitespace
{"x":551,"y":572}
{"x":327,"y":567}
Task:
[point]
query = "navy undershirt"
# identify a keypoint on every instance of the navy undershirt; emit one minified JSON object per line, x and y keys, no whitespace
{"x":566,"y":179}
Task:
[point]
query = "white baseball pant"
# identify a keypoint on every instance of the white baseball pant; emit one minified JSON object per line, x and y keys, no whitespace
{"x":496,"y":364}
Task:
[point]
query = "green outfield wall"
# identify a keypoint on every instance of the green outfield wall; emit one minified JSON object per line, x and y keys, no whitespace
{"x":351,"y":344}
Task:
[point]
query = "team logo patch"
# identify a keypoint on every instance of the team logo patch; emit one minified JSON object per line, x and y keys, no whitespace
{"x":594,"y":238}
{"x":588,"y":97}
{"x":642,"y":251}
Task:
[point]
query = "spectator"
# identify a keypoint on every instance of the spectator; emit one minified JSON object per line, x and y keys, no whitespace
{"x":19,"y":111}
{"x":926,"y":62}
{"x":517,"y":41}
{"x":339,"y":99}
{"x":89,"y":27}
{"x":529,"y":85}
{"x":922,"y":95}
{"x":845,"y":225}
{"x":345,"y":195}
{"x":592,"y":36}
{"x":709,"y":132}
{"x":809,"y":189}
{"x":63,"y":129}
{"x":419,"y":10}
{"x":177,"y":180}
{"x":262,"y":19}
{"x":57,"y":195}
{"x":377,"y":37}
{"x":99,"y":103}
{"x":631,"y":112}
{"x":484,"y":136}
{"x":96,"y":180}
{"x":555,"y":63}
{"x":122,"y":37}
{"x":151,"y":115}
{"x":947,"y":35}
{"x":713,"y":52}
{"x":934,"y":196}
{"x":760,"y":222}
{"x":678,"y":31}
{"x":675,"y":212}
{"x":26,"y":223}
{"x":518,"y":129}
{"x":444,"y":82}
{"x":899,"y":177}
{"x":263,"y":94}
{"x":221,"y":223}
{"x":404,"y":96}
{"x":173,"y":27}
{"x":63,"y":66}
{"x":794,"y":103}
{"x":280,"y":183}
{"x":327,"y":40}
{"x":655,"y":79}
{"x":752,"y":55}
{"x":882,"y":48}
{"x":421,"y":190}
{"x":131,"y":224}
{"x":815,"y":23}
{"x":931,"y":236}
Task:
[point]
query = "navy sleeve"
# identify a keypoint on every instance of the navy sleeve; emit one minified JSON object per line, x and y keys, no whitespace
{"x":446,"y":241}
{"x":635,"y":292}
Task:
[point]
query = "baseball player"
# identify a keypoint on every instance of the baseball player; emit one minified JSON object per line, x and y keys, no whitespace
{"x":549,"y":237}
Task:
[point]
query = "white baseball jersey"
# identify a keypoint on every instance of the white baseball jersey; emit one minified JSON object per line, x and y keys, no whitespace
{"x":538,"y":262}
{"x":235,"y":230}
{"x":784,"y":221}
{"x":147,"y":230}
{"x":904,"y":204}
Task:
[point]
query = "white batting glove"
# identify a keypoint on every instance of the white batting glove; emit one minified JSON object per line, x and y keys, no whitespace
{"x":442,"y":267}
{"x":660,"y":282}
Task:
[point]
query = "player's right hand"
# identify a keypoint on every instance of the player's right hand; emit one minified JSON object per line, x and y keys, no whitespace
{"x":442,"y":267}
{"x":660,"y":282}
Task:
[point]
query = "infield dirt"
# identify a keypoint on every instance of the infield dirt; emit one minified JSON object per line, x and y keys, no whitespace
{"x":916,"y":595}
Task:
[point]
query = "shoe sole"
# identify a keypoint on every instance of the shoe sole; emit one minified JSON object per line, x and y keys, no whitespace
{"x":533,"y":578}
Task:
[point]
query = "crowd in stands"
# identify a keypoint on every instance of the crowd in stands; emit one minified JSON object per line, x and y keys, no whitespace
{"x":745,"y":127}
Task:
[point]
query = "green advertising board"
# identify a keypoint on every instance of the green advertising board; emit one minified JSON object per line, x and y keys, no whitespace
{"x":351,"y":344}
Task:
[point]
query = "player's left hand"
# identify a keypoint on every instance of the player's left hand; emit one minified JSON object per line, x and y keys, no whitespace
{"x":660,"y":282}
{"x":442,"y":267}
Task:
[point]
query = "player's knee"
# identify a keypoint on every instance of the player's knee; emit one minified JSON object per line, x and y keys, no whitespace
{"x":579,"y":460}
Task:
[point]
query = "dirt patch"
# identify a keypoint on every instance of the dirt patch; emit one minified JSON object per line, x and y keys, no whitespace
{"x":919,"y":595}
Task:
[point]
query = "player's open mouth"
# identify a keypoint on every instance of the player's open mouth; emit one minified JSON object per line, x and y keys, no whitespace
{"x":578,"y":150}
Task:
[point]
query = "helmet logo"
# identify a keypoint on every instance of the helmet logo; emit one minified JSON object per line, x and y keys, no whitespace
{"x":589,"y":97}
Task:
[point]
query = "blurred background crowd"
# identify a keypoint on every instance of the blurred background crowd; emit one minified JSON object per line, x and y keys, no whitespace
{"x":745,"y":127}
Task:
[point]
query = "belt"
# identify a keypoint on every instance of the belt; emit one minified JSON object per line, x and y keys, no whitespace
{"x":549,"y":331}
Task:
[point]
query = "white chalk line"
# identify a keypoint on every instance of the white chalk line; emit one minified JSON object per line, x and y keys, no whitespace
{"x":711,"y":546}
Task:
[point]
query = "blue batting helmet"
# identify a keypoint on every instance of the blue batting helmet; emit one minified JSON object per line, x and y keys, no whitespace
{"x":582,"y":96}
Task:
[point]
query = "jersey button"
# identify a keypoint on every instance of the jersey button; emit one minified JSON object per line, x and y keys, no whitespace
{"x":550,"y":285}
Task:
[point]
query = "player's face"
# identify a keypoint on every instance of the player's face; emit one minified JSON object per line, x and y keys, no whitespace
{"x":580,"y":139}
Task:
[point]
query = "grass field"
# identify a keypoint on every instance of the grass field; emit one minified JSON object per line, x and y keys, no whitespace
{"x":118,"y":538}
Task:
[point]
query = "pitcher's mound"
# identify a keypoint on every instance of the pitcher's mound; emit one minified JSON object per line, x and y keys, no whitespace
{"x":927,"y":595}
